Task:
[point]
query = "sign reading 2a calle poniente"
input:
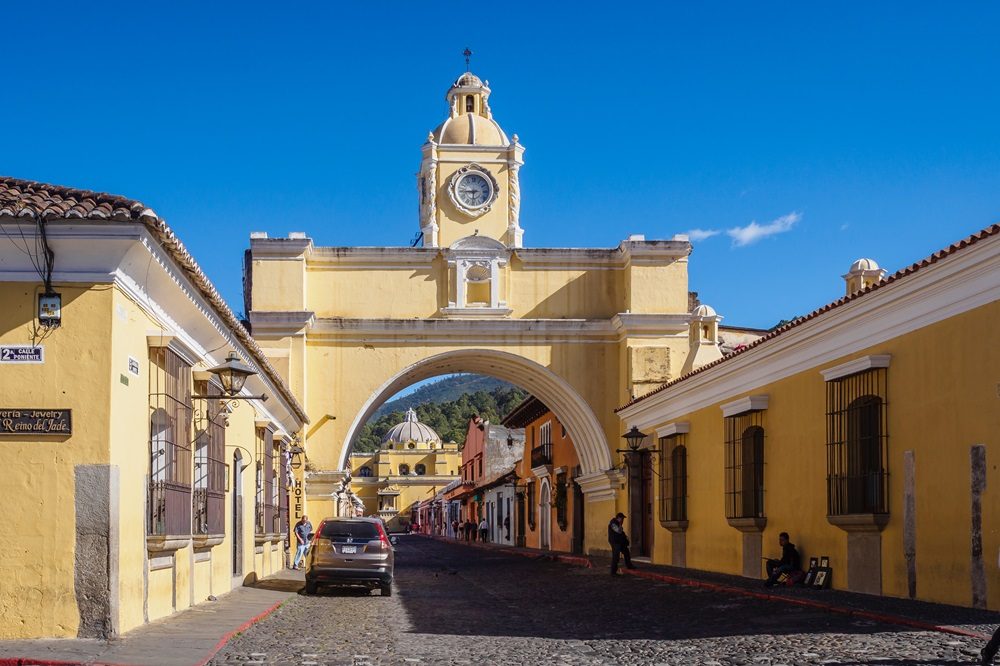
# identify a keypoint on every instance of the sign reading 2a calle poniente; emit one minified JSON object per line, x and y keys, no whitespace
{"x":36,"y":421}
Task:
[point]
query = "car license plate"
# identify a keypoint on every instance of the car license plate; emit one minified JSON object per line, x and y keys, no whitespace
{"x":348,"y":549}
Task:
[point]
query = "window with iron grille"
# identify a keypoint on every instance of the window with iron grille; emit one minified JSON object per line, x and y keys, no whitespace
{"x":264,"y":515}
{"x":530,"y":499}
{"x":745,"y":465}
{"x":276,"y":488}
{"x":209,"y":495}
{"x":169,"y":505}
{"x":673,"y":478}
{"x":561,"y":499}
{"x":857,"y":443}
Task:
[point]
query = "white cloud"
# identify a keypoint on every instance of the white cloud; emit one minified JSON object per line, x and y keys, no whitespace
{"x":753,"y":232}
{"x":702,"y":234}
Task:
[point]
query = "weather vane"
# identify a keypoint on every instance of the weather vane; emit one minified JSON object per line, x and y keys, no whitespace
{"x":468,"y":54}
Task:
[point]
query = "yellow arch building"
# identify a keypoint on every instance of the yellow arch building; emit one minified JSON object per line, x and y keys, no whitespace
{"x":582,"y":329}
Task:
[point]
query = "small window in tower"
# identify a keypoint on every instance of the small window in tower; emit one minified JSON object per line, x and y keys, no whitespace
{"x":470,"y":103}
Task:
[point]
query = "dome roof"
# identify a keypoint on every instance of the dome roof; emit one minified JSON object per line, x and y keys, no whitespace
{"x":863,"y":265}
{"x":467,"y":79}
{"x":704,"y":311}
{"x":470,"y":129}
{"x":411,"y":430}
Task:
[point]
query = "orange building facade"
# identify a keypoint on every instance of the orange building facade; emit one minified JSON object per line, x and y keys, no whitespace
{"x":549,"y":507}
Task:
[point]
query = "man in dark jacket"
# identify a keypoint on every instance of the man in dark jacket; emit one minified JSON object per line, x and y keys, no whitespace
{"x":788,"y":563}
{"x":619,"y":543}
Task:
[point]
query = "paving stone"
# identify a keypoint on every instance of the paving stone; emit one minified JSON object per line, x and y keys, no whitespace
{"x":504,"y":609}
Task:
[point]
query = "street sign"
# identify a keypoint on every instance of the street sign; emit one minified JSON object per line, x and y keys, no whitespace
{"x":36,"y":421}
{"x":22,"y":354}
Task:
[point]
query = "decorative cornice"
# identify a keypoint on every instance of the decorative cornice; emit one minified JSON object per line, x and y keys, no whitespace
{"x":601,"y":486}
{"x":496,"y":329}
{"x":282,"y":323}
{"x":750,"y":403}
{"x":676,"y":428}
{"x":856,"y":366}
{"x":386,"y":258}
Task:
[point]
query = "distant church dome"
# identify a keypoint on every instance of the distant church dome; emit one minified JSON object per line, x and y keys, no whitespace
{"x":410,"y":431}
{"x":863,"y":265}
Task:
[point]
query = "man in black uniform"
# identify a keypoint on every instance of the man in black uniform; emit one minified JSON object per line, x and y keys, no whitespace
{"x":619,"y":543}
{"x":788,"y":563}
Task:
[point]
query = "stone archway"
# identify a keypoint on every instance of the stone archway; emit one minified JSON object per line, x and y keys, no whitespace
{"x":583,"y":426}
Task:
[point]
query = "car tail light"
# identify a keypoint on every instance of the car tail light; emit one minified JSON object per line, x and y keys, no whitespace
{"x":383,"y":537}
{"x":319,"y":531}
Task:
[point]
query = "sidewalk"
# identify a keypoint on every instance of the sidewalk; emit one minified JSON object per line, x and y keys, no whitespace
{"x":919,"y":615}
{"x":188,"y":638}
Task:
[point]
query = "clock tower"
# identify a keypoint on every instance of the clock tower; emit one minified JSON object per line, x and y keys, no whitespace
{"x":468,"y":180}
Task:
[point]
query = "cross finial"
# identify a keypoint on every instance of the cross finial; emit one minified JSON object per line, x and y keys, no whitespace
{"x":468,"y":54}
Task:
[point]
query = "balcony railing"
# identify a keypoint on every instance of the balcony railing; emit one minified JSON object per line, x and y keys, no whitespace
{"x":541,"y":455}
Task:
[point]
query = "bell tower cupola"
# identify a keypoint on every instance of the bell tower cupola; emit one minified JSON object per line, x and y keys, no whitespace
{"x":469,"y":183}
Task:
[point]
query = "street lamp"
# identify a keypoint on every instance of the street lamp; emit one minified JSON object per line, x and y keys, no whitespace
{"x":296,"y":452}
{"x":634,"y":438}
{"x":233,"y":375}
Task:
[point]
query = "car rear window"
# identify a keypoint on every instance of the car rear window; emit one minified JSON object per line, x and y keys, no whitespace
{"x":340,"y":529}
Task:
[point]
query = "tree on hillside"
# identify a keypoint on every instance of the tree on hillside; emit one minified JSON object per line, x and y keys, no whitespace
{"x":450,"y":419}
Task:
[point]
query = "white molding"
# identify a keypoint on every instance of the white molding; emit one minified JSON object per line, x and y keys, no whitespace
{"x":476,"y":313}
{"x":856,"y":366}
{"x":601,"y":486}
{"x":750,"y":403}
{"x":267,"y":424}
{"x":951,"y":286}
{"x":175,"y":343}
{"x":542,"y":471}
{"x":675,"y":428}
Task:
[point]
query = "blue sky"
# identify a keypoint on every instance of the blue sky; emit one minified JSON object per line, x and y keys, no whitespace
{"x":846,"y":129}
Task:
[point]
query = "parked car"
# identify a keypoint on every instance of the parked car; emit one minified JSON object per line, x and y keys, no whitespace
{"x":355,"y":552}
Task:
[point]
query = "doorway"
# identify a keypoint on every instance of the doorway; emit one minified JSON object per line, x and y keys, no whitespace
{"x":237,"y":517}
{"x":577,"y":517}
{"x":640,"y":490}
{"x":545,"y":516}
{"x":519,"y":538}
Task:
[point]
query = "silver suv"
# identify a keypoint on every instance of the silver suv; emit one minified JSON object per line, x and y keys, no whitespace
{"x":350,"y":552}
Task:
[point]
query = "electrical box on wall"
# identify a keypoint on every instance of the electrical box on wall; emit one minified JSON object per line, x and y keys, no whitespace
{"x":49,"y":309}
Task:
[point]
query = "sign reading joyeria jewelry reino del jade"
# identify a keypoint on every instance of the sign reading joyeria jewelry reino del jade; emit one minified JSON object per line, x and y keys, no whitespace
{"x":36,"y":421}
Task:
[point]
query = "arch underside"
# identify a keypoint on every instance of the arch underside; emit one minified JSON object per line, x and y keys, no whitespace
{"x":558,"y":395}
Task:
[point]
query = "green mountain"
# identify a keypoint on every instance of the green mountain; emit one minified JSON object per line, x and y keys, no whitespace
{"x":443,"y":390}
{"x":448,"y":417}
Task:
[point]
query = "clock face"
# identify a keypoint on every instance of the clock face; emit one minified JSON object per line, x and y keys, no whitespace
{"x":474,"y":190}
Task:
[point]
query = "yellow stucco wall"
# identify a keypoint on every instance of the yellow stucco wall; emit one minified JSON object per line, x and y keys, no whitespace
{"x":37,"y":487}
{"x":942,"y":399}
{"x":86,"y":369}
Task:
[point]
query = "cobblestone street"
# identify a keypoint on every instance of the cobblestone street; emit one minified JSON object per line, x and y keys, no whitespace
{"x":456,"y":605}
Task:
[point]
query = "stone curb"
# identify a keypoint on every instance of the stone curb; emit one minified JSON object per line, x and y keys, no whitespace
{"x":584,"y":561}
{"x":28,"y":661}
{"x":238,"y":630}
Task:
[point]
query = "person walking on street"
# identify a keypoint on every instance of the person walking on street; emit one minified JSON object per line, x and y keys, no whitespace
{"x":484,"y":530}
{"x":302,"y":530}
{"x":619,"y":543}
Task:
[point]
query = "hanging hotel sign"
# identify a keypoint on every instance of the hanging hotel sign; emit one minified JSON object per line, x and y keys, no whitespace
{"x":22,"y":354}
{"x":36,"y":421}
